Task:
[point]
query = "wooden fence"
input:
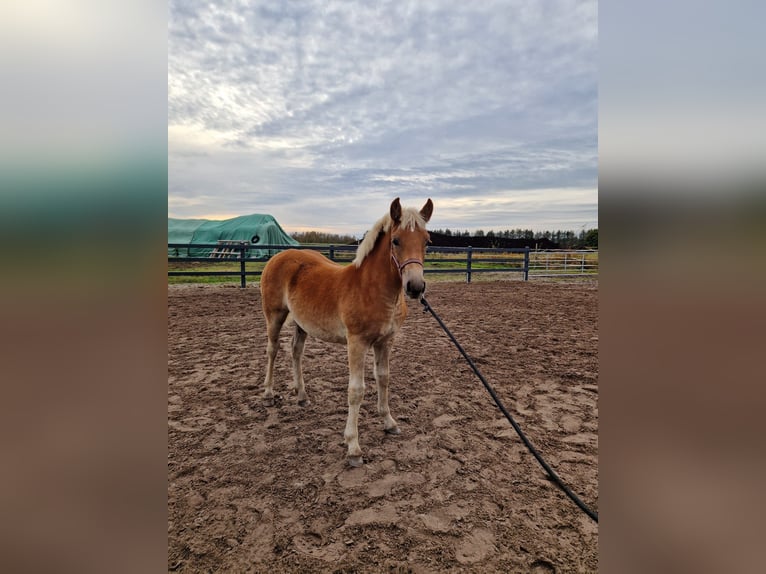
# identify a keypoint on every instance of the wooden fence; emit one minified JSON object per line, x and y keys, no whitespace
{"x":464,"y":260}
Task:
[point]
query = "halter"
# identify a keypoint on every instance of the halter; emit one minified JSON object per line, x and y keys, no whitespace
{"x":401,"y":266}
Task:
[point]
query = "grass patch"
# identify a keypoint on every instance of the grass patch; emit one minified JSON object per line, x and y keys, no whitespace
{"x":199,"y":266}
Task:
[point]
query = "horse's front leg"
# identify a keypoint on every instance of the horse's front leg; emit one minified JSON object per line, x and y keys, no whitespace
{"x":382,"y":351}
{"x":356,"y":351}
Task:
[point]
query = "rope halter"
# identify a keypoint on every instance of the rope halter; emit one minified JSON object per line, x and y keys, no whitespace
{"x":403,"y":264}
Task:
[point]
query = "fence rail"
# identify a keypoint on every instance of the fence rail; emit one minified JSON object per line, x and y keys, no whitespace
{"x":564,"y":263}
{"x":438,"y":260}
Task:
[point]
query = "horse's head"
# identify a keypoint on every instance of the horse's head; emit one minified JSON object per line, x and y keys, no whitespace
{"x":409,"y":239}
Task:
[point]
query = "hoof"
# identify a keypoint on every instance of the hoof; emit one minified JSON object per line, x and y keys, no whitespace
{"x":355,"y":461}
{"x":268,"y":401}
{"x":393,"y":430}
{"x":304,"y":403}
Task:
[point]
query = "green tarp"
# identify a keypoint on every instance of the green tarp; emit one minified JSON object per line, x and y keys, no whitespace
{"x":256,"y":229}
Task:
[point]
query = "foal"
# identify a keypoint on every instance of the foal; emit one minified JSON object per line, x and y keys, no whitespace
{"x":361,"y":305}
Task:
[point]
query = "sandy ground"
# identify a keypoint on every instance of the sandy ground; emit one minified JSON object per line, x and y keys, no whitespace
{"x":257,"y":489}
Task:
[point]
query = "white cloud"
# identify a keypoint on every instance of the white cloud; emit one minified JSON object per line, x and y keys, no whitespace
{"x":324,"y":101}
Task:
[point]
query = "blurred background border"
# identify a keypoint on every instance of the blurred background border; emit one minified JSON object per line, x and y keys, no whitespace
{"x":83,"y":175}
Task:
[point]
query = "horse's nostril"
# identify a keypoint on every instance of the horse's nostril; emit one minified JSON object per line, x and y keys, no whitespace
{"x":414,"y":289}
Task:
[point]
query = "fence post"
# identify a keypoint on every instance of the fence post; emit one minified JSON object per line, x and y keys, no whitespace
{"x":468,"y":265}
{"x":332,"y":253}
{"x":526,"y":263}
{"x":582,"y":263}
{"x":242,"y":249}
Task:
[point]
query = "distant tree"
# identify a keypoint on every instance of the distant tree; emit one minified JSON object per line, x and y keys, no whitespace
{"x":591,"y":239}
{"x":479,"y":233}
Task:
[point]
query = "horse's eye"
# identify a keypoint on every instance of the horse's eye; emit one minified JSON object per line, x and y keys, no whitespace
{"x":395,"y":241}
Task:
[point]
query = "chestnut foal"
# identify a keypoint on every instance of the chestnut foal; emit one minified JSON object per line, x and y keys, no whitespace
{"x":361,"y":305}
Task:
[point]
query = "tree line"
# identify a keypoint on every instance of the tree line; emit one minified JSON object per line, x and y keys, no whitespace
{"x":321,"y":237}
{"x":565,"y":239}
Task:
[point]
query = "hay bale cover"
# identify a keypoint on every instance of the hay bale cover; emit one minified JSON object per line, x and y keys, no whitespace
{"x":255,"y":229}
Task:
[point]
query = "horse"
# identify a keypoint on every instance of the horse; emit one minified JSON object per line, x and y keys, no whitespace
{"x":361,"y":305}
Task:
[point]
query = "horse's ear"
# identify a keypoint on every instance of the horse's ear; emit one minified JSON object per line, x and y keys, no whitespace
{"x":427,"y":210}
{"x":396,"y":211}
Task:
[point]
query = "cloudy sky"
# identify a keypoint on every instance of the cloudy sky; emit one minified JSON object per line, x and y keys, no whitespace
{"x":320,"y":112}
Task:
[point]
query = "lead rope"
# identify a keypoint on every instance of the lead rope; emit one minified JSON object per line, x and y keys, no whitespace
{"x":551,"y":473}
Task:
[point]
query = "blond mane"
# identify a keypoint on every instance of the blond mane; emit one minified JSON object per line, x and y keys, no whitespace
{"x":411,"y":219}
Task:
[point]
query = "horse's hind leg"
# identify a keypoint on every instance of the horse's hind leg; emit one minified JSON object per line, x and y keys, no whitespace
{"x":299,"y":340}
{"x":274,"y":321}
{"x":382,"y":351}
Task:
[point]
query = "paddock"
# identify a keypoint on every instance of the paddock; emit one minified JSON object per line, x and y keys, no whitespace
{"x":256,"y":488}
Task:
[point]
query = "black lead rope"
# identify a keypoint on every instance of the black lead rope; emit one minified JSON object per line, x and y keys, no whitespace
{"x":551,"y":473}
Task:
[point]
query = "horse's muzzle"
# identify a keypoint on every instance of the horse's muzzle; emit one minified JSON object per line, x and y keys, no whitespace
{"x":412,"y":276}
{"x":414,"y":288}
